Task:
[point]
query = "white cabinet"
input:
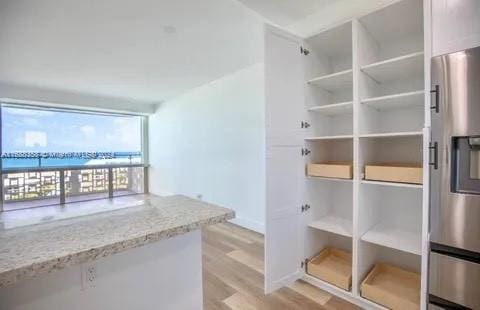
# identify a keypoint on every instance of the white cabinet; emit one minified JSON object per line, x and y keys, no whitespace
{"x":354,"y":93}
{"x":455,"y":25}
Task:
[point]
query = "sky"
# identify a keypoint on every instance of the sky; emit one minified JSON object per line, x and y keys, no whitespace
{"x":29,"y":130}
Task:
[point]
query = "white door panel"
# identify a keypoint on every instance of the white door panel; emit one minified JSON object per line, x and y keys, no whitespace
{"x":283,"y":230}
{"x":283,"y":89}
{"x":284,"y":163}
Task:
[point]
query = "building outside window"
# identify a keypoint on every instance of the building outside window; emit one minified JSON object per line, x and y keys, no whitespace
{"x":54,"y":156}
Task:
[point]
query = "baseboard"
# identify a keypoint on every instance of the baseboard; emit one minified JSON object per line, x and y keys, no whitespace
{"x":249,"y":224}
{"x":284,"y":282}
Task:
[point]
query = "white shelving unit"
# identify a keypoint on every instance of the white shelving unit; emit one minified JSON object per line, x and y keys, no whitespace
{"x":363,"y":87}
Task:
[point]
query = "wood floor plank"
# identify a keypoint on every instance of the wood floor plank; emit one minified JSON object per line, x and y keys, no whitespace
{"x":311,"y":292}
{"x":219,"y":229}
{"x":247,"y":259}
{"x":233,"y":276}
{"x":239,"y":302}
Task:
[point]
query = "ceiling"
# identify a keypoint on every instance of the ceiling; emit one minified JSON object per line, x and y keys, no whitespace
{"x":143,"y":50}
{"x":286,"y":12}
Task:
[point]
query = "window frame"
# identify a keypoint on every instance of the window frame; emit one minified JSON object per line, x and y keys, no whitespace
{"x":143,"y":145}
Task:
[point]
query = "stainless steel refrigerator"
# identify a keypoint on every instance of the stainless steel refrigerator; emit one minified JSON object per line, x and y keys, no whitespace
{"x":454,"y":271}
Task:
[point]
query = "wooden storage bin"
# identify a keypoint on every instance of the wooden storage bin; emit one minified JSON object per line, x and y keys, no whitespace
{"x":331,"y":170}
{"x":333,"y":266}
{"x":392,"y":287}
{"x":403,"y":173}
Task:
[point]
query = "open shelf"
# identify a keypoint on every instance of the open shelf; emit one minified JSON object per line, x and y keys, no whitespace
{"x":334,"y":108}
{"x":392,"y":134}
{"x":330,"y":179}
{"x":400,"y":114}
{"x":399,"y":68}
{"x":335,"y":81}
{"x":340,"y":137}
{"x":391,"y":32}
{"x":330,"y":50}
{"x":396,"y":101}
{"x":333,"y":224}
{"x":400,"y":238}
{"x":395,"y":184}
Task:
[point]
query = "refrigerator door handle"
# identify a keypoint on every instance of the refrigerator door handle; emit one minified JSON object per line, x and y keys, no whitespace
{"x":462,"y":254}
{"x":433,"y":147}
{"x":445,"y":304}
{"x":436,"y":105}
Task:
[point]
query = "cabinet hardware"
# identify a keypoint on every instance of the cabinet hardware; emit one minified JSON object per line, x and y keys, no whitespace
{"x":436,"y":104}
{"x":304,"y":51}
{"x":305,"y":207}
{"x":303,"y":264}
{"x":433,"y":147}
{"x":305,"y":124}
{"x":305,"y":152}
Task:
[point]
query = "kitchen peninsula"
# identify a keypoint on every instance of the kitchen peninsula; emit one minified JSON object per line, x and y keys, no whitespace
{"x":145,"y":255}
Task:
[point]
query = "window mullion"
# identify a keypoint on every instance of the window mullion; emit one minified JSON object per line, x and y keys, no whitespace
{"x":62,"y":186}
{"x":110,"y":182}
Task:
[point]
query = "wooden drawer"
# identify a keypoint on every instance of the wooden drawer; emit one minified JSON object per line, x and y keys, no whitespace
{"x":392,"y":287}
{"x":333,"y":266}
{"x":331,"y":170}
{"x":394,"y":173}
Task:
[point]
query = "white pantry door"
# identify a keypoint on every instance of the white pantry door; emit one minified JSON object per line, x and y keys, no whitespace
{"x":285,"y":164}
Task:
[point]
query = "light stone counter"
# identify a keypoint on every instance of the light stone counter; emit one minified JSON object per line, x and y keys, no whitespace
{"x":30,"y":250}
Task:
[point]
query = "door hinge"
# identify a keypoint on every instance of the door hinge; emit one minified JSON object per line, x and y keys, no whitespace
{"x":305,"y":207}
{"x":303,"y":264}
{"x":433,"y":147}
{"x":304,"y":51}
{"x":436,"y":104}
{"x":305,"y":152}
{"x":304,"y":124}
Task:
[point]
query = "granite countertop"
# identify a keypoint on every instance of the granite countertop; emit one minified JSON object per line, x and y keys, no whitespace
{"x":30,"y":250}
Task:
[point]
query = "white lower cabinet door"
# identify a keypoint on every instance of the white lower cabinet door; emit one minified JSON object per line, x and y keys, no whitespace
{"x":283,"y":237}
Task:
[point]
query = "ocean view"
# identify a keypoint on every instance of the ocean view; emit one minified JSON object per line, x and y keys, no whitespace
{"x":117,"y":158}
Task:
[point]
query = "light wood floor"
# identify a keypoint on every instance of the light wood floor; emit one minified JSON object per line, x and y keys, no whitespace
{"x":233,"y":276}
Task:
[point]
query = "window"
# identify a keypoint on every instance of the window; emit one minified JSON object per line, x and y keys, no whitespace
{"x":51,"y":156}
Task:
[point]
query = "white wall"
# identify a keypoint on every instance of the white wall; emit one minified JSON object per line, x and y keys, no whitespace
{"x":66,"y":99}
{"x":210,"y":142}
{"x":163,"y":275}
{"x":455,"y":25}
{"x":334,"y":13}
